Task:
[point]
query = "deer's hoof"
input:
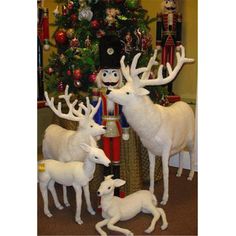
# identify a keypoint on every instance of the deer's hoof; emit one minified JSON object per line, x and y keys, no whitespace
{"x":48,"y":214}
{"x":149,"y":230}
{"x":164,"y":226}
{"x":190,"y":178}
{"x":91,"y":211}
{"x":60,"y":207}
{"x":129,"y":233}
{"x":67,"y":204}
{"x":163,"y":202}
{"x":79,"y":221}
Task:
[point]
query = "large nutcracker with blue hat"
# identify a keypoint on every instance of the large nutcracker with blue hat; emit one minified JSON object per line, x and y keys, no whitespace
{"x":110,"y":114}
{"x":168,"y":34}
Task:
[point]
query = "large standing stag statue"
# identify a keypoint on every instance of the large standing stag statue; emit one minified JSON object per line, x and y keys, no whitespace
{"x":64,"y":145}
{"x":164,"y":131}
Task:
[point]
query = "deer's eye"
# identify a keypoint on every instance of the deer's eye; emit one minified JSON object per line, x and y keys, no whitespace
{"x":91,"y":126}
{"x":96,"y":157}
{"x":109,"y":187}
{"x":127,"y":93}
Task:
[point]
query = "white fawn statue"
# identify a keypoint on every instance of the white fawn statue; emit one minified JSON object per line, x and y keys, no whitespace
{"x":164,"y":131}
{"x":64,"y":145}
{"x":115,"y":209}
{"x":74,"y":173}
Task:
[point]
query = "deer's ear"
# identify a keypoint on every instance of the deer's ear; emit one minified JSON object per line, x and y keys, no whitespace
{"x":141,"y":91}
{"x":85,"y":147}
{"x":119,"y":182}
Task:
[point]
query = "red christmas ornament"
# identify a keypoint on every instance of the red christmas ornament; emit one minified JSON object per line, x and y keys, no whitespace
{"x":60,"y":87}
{"x":70,"y":5}
{"x":68,"y":72}
{"x":92,"y":77}
{"x":60,"y":37}
{"x":77,"y":74}
{"x":50,"y":70}
{"x":73,"y":18}
{"x":95,"y":24}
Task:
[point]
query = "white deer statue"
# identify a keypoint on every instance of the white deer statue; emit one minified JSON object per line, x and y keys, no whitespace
{"x":115,"y":209}
{"x":64,"y":145}
{"x":74,"y":173}
{"x":164,"y":131}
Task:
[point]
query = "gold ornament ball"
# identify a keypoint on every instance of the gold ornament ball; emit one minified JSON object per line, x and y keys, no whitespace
{"x":70,"y":33}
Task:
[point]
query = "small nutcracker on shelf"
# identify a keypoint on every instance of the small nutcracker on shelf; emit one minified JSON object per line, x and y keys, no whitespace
{"x":168,"y":34}
{"x":109,"y":113}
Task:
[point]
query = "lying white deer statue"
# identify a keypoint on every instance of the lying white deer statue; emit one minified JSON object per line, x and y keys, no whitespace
{"x":75,"y":173}
{"x":164,"y":131}
{"x":115,"y":209}
{"x":62,"y":144}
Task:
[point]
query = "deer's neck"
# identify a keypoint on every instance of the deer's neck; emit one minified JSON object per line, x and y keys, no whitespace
{"x":89,"y":168}
{"x":106,"y":201}
{"x":147,"y":117}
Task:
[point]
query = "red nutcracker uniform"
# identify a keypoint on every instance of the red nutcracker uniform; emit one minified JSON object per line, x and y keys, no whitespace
{"x":109,"y":113}
{"x":168,"y":34}
{"x":43,"y":26}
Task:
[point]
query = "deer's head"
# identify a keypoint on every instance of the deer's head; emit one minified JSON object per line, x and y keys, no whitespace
{"x":134,"y":88}
{"x":95,"y":155}
{"x":85,"y":120}
{"x":108,"y":185}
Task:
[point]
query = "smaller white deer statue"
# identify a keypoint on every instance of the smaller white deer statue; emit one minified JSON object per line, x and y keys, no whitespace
{"x":75,"y":173}
{"x":64,"y":145}
{"x":115,"y":209}
{"x":164,"y":131}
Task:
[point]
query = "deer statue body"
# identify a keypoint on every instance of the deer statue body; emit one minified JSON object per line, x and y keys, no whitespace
{"x":116,"y":209}
{"x":75,"y":173}
{"x":64,"y":145}
{"x":164,"y":131}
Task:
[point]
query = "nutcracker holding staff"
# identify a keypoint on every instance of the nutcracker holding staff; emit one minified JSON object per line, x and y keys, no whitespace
{"x":110,"y":114}
{"x":168,"y":34}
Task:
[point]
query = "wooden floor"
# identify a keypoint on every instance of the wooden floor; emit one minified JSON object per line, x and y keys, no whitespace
{"x":181,"y":211}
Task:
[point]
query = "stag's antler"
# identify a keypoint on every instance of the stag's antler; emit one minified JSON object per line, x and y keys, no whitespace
{"x":73,"y":114}
{"x":181,"y":59}
{"x":132,"y":75}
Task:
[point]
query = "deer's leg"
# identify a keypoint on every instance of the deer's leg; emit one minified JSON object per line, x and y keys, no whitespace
{"x":164,"y":220}
{"x":151,"y":170}
{"x":52,"y":189}
{"x":65,"y":199}
{"x":87,"y":199}
{"x":165,"y":168}
{"x":180,"y":170}
{"x":111,"y":226}
{"x":192,"y":160}
{"x":78,"y":192}
{"x":44,"y":190}
{"x":99,"y":226}
{"x":156,"y":215}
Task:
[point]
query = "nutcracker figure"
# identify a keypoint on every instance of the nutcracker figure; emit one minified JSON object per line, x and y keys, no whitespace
{"x":110,"y":114}
{"x":42,"y":42}
{"x":168,"y":34}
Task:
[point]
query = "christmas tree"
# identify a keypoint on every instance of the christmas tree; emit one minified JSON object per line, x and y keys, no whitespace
{"x":79,"y":26}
